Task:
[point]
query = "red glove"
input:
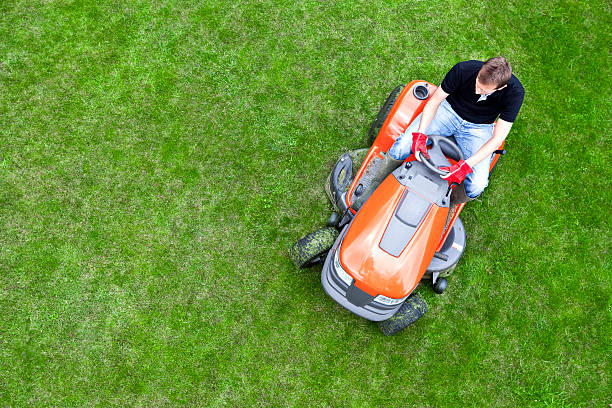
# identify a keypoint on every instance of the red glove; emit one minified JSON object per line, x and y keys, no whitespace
{"x":457,"y":172}
{"x":419,"y":144}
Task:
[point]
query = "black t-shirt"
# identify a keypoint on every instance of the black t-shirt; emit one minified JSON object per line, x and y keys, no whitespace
{"x":460,"y":84}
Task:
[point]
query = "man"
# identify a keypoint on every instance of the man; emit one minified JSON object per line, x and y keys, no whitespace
{"x":471,"y":97}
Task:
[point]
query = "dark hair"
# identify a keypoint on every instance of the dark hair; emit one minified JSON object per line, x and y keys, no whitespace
{"x":495,"y":71}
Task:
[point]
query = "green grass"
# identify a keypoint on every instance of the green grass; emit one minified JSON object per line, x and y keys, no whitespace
{"x":158,"y":158}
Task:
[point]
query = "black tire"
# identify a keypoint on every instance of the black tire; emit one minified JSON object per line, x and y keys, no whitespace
{"x":312,"y":249}
{"x":412,"y":310}
{"x":440,"y":286}
{"x":383,"y":113}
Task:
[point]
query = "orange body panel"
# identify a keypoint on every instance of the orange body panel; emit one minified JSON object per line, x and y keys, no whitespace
{"x":405,"y":109}
{"x":372,"y":267}
{"x":376,"y":271}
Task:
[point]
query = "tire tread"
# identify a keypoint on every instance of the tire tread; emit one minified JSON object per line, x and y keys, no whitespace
{"x":412,"y":310}
{"x":304,"y":252}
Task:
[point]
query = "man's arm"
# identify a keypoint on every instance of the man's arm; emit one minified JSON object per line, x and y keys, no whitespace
{"x":501,"y":130}
{"x":429,"y":111}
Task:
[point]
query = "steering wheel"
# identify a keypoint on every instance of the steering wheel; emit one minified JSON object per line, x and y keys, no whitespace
{"x":436,"y":140}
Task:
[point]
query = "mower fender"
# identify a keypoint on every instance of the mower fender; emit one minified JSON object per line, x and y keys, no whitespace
{"x":445,"y":261}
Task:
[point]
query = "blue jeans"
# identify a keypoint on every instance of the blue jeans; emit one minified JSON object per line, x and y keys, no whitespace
{"x":470,"y":137}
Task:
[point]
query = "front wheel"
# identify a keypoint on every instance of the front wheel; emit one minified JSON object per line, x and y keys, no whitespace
{"x":412,"y":310}
{"x":313,"y":248}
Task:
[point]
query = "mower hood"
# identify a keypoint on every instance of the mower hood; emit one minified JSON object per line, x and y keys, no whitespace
{"x":394,"y":236}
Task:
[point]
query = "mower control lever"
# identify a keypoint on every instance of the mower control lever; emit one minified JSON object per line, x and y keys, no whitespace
{"x":450,"y":187}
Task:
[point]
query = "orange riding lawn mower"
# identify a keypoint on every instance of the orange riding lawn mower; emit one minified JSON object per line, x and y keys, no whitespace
{"x":382,"y":242}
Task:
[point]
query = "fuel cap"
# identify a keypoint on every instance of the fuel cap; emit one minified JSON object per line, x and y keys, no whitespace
{"x":420,"y":92}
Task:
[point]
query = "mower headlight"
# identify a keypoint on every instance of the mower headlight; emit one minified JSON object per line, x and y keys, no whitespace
{"x":388,"y":301}
{"x":344,"y":277}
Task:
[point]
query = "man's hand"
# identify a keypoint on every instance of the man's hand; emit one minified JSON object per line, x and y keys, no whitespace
{"x":457,"y":172}
{"x":419,"y":144}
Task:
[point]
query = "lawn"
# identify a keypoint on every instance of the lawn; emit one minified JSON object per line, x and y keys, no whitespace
{"x":157,"y":159}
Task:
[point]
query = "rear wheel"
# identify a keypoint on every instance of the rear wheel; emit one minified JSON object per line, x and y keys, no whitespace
{"x":313,"y":248}
{"x":383,"y":113}
{"x":412,"y":310}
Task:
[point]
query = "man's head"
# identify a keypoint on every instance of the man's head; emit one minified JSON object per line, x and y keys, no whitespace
{"x":493,"y":75}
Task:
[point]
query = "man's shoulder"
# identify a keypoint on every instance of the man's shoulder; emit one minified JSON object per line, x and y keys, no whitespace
{"x":460,"y":75}
{"x":469,"y":65}
{"x":515,"y":87}
{"x":472,"y":63}
{"x":462,"y":72}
